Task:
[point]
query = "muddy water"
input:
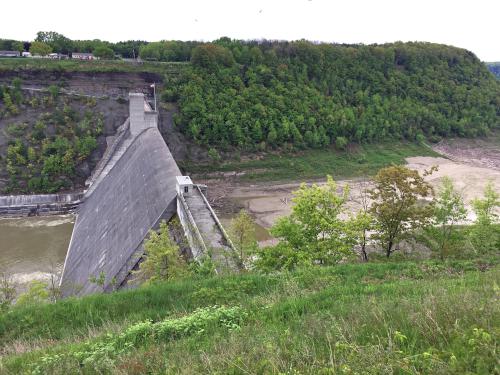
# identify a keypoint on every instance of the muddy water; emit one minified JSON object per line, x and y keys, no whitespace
{"x":32,"y":247}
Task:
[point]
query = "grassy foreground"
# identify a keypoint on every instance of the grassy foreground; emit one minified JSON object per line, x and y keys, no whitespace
{"x":401,"y":317}
{"x":364,"y":160}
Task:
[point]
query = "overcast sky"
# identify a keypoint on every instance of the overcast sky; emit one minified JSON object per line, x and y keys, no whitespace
{"x":471,"y":24}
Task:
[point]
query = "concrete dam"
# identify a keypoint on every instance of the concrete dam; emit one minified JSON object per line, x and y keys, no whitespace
{"x":136,"y":185}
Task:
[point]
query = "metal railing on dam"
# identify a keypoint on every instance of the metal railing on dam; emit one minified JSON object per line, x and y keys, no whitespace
{"x":205,"y":234}
{"x":133,"y":191}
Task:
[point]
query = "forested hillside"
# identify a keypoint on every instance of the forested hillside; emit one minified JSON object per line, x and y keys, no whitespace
{"x":293,"y":95}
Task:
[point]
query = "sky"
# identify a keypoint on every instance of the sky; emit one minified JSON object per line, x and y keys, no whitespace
{"x":470,"y":24}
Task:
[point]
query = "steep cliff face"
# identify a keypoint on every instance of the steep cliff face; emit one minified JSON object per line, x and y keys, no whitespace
{"x":112,"y":84}
{"x":54,"y":125}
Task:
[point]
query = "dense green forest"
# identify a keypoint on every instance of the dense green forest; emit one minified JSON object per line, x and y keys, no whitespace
{"x":265,"y":95}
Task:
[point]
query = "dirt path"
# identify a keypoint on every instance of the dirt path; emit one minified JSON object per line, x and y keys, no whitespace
{"x":474,"y":164}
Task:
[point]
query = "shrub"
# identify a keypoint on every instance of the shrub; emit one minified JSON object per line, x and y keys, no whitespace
{"x":54,"y":91}
{"x":214,"y":155}
{"x":16,"y":130}
{"x":36,"y":294}
{"x":104,"y":351}
{"x":341,"y":143}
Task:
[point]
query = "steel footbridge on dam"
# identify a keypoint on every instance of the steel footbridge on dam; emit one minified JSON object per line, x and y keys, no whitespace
{"x":135,"y":186}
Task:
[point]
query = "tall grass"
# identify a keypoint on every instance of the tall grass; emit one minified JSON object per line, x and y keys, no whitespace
{"x":426,"y":317}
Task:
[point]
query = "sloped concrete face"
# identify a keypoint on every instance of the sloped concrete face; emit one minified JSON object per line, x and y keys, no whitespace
{"x":112,"y":222}
{"x":116,"y":218}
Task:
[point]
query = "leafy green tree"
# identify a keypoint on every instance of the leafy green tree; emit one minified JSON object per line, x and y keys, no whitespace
{"x":314,"y":233}
{"x":37,"y":293}
{"x":242,"y":234}
{"x":162,"y":260}
{"x":85,"y":146}
{"x":57,"y":42}
{"x":54,"y":91}
{"x":363,"y":221}
{"x":485,"y":234}
{"x":211,"y":56}
{"x":40,"y":49}
{"x":449,"y":210}
{"x":151,"y":51}
{"x":398,"y":205}
{"x":104,"y":52}
{"x":214,"y":155}
{"x":18,"y":46}
{"x":9,"y":105}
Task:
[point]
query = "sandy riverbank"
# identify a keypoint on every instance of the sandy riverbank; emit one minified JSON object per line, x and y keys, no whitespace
{"x":470,"y":165}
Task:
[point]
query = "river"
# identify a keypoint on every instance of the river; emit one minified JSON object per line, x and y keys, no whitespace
{"x":33,"y":247}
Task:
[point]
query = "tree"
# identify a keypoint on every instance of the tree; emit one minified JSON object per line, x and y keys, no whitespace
{"x":396,"y":207}
{"x":58,"y":42}
{"x":485,"y":235}
{"x":150,"y":51}
{"x":162,"y":259}
{"x":211,"y":56}
{"x":18,"y":46}
{"x":7,"y":292}
{"x":314,"y":233}
{"x":363,"y":221}
{"x":40,"y":48}
{"x":242,"y":234}
{"x":449,"y":210}
{"x":104,"y":52}
{"x":37,"y":293}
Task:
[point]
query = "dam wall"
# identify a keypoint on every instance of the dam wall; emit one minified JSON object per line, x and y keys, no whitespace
{"x":137,"y":185}
{"x":135,"y":193}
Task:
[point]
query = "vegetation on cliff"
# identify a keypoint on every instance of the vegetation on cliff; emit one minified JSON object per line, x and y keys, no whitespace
{"x":44,"y":151}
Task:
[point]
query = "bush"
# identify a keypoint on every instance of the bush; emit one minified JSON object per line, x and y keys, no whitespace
{"x":341,"y":143}
{"x":214,"y":156}
{"x":54,"y":91}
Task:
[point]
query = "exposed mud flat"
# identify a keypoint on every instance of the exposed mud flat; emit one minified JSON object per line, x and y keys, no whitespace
{"x":470,"y":170}
{"x":480,"y":152}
